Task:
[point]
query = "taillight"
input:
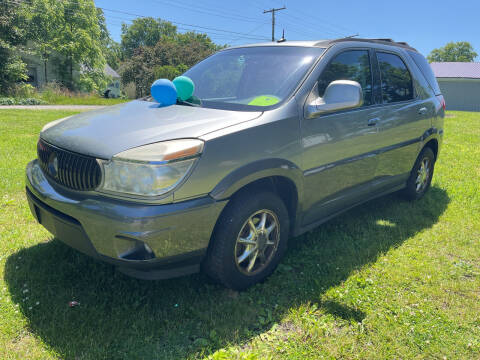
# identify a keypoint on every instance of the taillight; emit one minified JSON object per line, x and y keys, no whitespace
{"x":442,"y":101}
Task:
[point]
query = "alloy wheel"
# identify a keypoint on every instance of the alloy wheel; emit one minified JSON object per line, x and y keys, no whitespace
{"x":423,"y":175}
{"x":257,"y":242}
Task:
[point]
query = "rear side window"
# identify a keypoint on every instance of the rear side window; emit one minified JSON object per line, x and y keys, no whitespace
{"x":349,"y":65}
{"x":426,"y":70}
{"x":396,"y":80}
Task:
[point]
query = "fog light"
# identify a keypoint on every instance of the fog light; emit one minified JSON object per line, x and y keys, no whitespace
{"x":132,"y":249}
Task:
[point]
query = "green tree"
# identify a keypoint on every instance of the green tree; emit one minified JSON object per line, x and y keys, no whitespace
{"x":12,"y":68}
{"x":171,"y":56}
{"x":461,"y":51}
{"x":69,"y":33}
{"x":112,"y":50}
{"x":144,"y":32}
{"x":78,"y":40}
{"x":41,"y":22}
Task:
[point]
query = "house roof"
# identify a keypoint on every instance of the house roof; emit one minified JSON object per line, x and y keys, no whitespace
{"x":470,"y":70}
{"x":110,"y":72}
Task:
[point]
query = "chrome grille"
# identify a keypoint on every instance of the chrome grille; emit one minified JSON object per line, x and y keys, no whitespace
{"x":74,"y":171}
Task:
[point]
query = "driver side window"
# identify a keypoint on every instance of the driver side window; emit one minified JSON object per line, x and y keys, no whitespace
{"x":349,"y":65}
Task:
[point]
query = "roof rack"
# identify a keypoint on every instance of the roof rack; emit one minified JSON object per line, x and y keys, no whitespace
{"x":377,"y":41}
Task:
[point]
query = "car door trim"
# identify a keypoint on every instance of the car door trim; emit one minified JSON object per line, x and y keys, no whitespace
{"x":321,"y":168}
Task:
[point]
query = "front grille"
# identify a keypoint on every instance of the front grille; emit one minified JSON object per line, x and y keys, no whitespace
{"x":74,"y":171}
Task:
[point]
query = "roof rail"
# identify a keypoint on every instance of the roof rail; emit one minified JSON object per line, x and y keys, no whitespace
{"x":385,"y":39}
{"x":377,"y":41}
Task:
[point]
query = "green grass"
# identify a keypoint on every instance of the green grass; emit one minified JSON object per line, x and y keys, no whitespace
{"x":87,"y":99}
{"x":51,"y":98}
{"x":389,"y":279}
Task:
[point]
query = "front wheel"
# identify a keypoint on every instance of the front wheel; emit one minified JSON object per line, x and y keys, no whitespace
{"x":421,"y":175}
{"x":249,"y":240}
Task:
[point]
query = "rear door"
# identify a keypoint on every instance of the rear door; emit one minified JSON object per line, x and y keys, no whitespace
{"x":405,"y":116}
{"x":338,"y":148}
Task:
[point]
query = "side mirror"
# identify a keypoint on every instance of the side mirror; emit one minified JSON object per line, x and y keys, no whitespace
{"x":339,"y":95}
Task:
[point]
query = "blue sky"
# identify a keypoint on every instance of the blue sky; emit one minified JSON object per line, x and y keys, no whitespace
{"x":424,"y":24}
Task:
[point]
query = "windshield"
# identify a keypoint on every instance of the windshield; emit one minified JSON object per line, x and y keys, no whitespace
{"x":251,"y":78}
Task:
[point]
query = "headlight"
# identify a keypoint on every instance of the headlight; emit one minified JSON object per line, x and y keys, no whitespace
{"x":151,"y":170}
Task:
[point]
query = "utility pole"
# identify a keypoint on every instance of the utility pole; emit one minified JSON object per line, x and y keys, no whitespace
{"x":273,"y":19}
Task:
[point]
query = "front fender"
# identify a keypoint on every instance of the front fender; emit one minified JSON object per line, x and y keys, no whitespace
{"x":257,"y":170}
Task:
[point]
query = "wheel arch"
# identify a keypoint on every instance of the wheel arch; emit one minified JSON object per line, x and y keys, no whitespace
{"x":432,"y":144}
{"x":280,"y":176}
{"x":432,"y":139}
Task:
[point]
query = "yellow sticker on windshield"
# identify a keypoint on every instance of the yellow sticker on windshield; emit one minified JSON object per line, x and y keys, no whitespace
{"x":264,"y":100}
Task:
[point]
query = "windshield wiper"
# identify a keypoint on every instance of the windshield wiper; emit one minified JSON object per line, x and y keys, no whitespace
{"x":182,"y":102}
{"x":194,"y":101}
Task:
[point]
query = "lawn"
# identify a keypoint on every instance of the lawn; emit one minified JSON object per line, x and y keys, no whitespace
{"x":389,"y":279}
{"x":61,"y":98}
{"x":86,"y":99}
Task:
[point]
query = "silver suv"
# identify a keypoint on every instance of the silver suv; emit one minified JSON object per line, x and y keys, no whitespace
{"x":276,"y":139}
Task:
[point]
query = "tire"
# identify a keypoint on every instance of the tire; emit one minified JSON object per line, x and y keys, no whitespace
{"x":233,"y":239}
{"x":419,"y":182}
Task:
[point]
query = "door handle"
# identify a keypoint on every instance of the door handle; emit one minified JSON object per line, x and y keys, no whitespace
{"x":373,"y":122}
{"x":422,"y":110}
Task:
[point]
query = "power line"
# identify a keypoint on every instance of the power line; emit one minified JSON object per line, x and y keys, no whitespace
{"x":248,"y":35}
{"x":299,"y":23}
{"x":309,"y":21}
{"x":210,"y":33}
{"x":71,"y":11}
{"x":176,"y":22}
{"x":242,"y":37}
{"x":199,"y":9}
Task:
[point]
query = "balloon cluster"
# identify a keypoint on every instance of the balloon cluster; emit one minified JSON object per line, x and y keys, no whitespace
{"x":166,"y":92}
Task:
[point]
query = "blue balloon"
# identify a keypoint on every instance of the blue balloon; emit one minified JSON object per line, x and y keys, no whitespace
{"x":164,"y":92}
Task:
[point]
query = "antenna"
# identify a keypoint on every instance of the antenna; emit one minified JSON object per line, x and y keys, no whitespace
{"x":273,"y":19}
{"x":282,"y":39}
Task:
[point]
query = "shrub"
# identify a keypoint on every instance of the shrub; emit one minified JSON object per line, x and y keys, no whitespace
{"x":24,"y":90}
{"x":92,"y":81}
{"x":129,"y":90}
{"x":7,"y":101}
{"x":30,"y":101}
{"x":21,"y":101}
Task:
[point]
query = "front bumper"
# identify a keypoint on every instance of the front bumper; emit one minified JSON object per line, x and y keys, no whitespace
{"x":176,"y":235}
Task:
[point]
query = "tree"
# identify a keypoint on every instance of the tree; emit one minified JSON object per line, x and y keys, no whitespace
{"x":41,"y":22}
{"x":12,"y":68}
{"x":144,"y":32}
{"x":171,"y":56}
{"x":461,"y":51}
{"x":69,"y":30}
{"x":111,"y":49}
{"x":77,"y":39}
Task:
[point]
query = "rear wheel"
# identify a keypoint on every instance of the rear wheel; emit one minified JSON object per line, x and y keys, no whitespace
{"x":249,"y":240}
{"x":421,"y":175}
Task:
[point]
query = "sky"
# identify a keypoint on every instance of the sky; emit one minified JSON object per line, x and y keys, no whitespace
{"x":424,"y":24}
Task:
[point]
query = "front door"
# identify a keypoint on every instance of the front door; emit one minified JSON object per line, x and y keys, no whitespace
{"x":339,"y":159}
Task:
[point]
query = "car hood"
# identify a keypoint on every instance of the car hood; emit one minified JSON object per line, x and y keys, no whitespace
{"x":108,"y":131}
